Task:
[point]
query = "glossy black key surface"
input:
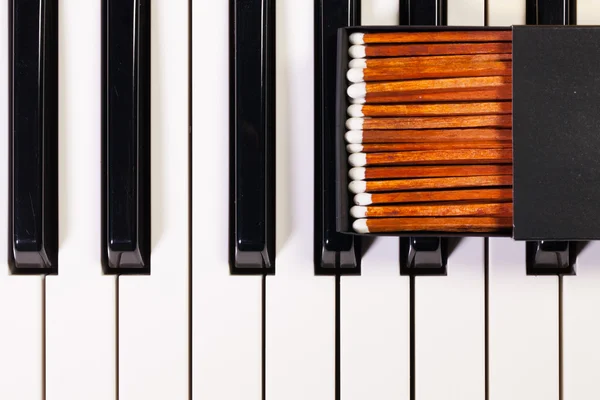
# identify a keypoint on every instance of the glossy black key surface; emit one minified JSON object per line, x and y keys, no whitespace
{"x":546,"y":257}
{"x":423,"y":12}
{"x":252,"y":136}
{"x":423,"y":255}
{"x":126,"y":136}
{"x":551,"y":12}
{"x":333,"y":252}
{"x":33,"y":136}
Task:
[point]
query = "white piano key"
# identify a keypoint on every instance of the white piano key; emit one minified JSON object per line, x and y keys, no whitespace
{"x":154,"y":310}
{"x":588,"y":12}
{"x":80,"y":301}
{"x":375,"y":327}
{"x":581,"y":296}
{"x":21,"y":315}
{"x":300,"y":307}
{"x":466,"y":12}
{"x":523,"y":327}
{"x":450,"y":327}
{"x":506,"y":12}
{"x":380,"y":12}
{"x":450,"y":310}
{"x":581,"y":328}
{"x":523,"y":310}
{"x":227,"y":310}
{"x":375,"y":307}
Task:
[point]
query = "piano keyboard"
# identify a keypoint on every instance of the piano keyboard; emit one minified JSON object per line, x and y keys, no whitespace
{"x":192,"y":330}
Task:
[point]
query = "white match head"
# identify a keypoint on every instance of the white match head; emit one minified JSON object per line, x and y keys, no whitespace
{"x":360,"y":226}
{"x":357,"y":38}
{"x":355,"y":75}
{"x":358,"y":211}
{"x":354,"y":124}
{"x":354,"y":148}
{"x":357,"y":90}
{"x":354,"y":136}
{"x":355,"y":110}
{"x":357,"y":173}
{"x":357,"y":186}
{"x":360,"y":100}
{"x":357,"y":51}
{"x":363,"y":199}
{"x":357,"y":160}
{"x":357,"y":63}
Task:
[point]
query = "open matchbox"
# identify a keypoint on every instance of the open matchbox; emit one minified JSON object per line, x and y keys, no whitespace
{"x":556,"y":132}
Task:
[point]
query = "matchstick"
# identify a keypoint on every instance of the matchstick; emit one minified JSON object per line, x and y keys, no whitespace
{"x":426,"y":60}
{"x":429,"y":71}
{"x":432,"y":224}
{"x":494,"y":93}
{"x":428,"y":135}
{"x":431,"y":37}
{"x":366,"y":90}
{"x":427,"y":171}
{"x":434,"y":210}
{"x":430,"y":110}
{"x":366,"y":199}
{"x":409,"y":50}
{"x":430,"y":183}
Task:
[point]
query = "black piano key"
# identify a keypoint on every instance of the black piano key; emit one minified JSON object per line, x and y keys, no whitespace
{"x":252,"y":136}
{"x":551,"y":12}
{"x":423,"y":255}
{"x":33,"y":136}
{"x":423,"y":12}
{"x":334,"y":252}
{"x":126,"y":136}
{"x":547,"y":257}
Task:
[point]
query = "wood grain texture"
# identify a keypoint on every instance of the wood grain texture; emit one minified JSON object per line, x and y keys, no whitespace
{"x":438,"y":71}
{"x":448,"y":224}
{"x":443,"y":109}
{"x":435,"y":60}
{"x":438,"y":37}
{"x":441,"y":210}
{"x":438,"y":183}
{"x":435,"y":135}
{"x":393,"y":147}
{"x":436,"y":171}
{"x":443,"y":195}
{"x":442,"y":157}
{"x":424,"y":85}
{"x":407,"y":50}
{"x":500,"y":92}
{"x":479,"y":121}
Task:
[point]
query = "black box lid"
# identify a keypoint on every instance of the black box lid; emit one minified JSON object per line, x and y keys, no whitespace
{"x":556,"y":132}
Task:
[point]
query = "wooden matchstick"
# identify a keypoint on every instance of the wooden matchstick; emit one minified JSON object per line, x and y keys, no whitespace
{"x":499,"y":195}
{"x":410,"y":50}
{"x":357,"y":90}
{"x":431,"y":37}
{"x":502,"y":92}
{"x":462,"y":121}
{"x":430,"y":110}
{"x":432,"y":224}
{"x":430,"y":135}
{"x":441,"y":157}
{"x":393,"y":147}
{"x":427,"y":171}
{"x":430,"y":183}
{"x":434,"y":210}
{"x":426,"y":60}
{"x":429,"y":71}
